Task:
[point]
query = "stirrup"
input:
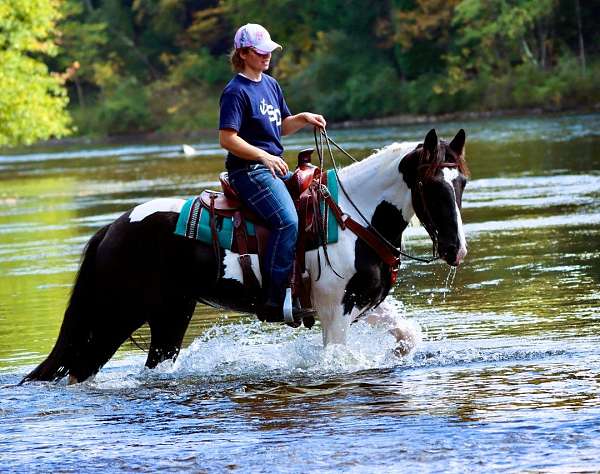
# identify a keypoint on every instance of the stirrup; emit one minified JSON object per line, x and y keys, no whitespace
{"x":272,"y":315}
{"x":275,"y":314}
{"x":288,"y":315}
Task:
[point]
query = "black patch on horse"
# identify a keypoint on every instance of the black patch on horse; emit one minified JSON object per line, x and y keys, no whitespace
{"x":371,"y":283}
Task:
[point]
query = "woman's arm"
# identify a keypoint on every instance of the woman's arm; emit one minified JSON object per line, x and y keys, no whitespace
{"x":293,"y":123}
{"x":229,"y":139}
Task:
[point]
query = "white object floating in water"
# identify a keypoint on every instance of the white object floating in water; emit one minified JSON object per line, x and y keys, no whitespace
{"x":188,"y":150}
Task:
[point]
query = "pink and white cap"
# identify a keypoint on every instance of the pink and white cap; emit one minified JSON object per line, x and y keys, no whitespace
{"x":254,"y":36}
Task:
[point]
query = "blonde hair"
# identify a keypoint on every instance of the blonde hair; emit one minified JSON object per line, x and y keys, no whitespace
{"x":236,"y":60}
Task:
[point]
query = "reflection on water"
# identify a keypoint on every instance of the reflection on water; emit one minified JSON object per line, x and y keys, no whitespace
{"x":505,"y":378}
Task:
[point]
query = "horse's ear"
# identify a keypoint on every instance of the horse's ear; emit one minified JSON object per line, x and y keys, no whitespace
{"x":458,"y":142}
{"x":431,"y":141}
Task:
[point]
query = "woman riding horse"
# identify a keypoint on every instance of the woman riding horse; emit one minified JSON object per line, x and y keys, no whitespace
{"x":253,"y":116}
{"x":136,"y":270}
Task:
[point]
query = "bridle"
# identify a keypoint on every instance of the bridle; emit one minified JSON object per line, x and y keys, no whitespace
{"x":375,"y":238}
{"x":428,"y":221}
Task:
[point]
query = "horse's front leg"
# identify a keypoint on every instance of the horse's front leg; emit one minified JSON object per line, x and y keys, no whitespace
{"x":327,"y":299}
{"x":386,"y":315}
{"x":334,"y":324}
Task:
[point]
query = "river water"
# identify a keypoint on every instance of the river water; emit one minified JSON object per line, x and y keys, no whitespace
{"x":506,"y":376}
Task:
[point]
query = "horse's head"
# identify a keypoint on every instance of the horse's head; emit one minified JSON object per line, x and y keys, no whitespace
{"x":436,"y":173}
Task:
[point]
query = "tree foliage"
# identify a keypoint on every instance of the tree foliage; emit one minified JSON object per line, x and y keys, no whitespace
{"x":32,"y":100}
{"x":144,"y":65}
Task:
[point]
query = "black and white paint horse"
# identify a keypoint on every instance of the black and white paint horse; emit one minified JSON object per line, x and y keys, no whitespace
{"x":136,"y":271}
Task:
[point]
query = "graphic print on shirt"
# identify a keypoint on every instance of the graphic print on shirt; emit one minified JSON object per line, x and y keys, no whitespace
{"x":268,"y":109}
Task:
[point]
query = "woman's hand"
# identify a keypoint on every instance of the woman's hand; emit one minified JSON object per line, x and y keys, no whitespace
{"x":275,"y":164}
{"x":314,"y":119}
{"x":293,"y":123}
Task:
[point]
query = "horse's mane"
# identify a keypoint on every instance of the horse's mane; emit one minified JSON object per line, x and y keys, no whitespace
{"x":428,"y":163}
{"x":383,"y":154}
{"x":432,"y":161}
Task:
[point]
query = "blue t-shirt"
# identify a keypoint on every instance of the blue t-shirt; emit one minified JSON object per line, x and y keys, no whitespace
{"x":255,"y":110}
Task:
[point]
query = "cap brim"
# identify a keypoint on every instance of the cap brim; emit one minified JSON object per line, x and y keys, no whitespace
{"x":267,"y":47}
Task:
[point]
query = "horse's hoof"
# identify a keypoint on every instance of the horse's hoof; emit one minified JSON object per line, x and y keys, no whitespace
{"x":305,"y":316}
{"x":308,"y":321}
{"x":402,"y":350}
{"x":269,"y":313}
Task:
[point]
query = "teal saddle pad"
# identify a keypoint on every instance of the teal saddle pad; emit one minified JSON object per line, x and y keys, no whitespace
{"x":194,"y":220}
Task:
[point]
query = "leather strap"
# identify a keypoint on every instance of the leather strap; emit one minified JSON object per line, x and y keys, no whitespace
{"x":215,"y":237}
{"x":372,"y":240}
{"x":390,"y":257}
{"x":337,"y":211}
{"x":241,"y":238}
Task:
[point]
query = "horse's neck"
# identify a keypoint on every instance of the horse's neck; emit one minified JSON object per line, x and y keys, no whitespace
{"x":376,"y":179}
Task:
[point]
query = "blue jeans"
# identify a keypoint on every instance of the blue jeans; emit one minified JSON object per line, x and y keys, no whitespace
{"x":268,"y":198}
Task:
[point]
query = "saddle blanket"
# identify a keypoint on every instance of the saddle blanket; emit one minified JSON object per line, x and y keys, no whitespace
{"x":194,"y":220}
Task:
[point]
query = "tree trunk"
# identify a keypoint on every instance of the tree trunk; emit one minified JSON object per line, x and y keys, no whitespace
{"x":89,"y":6}
{"x":542,"y":39}
{"x":80,"y":97}
{"x":131,"y":44}
{"x":528,"y":54}
{"x":542,"y":30}
{"x":580,"y":33}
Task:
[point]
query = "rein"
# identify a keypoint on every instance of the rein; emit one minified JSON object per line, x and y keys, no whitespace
{"x":369,"y":234}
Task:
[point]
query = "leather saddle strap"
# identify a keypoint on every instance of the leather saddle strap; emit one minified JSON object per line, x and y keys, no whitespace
{"x":303,"y":228}
{"x":241,"y":238}
{"x":337,"y":212}
{"x":214,"y":235}
{"x":373,"y":241}
{"x":362,"y":232}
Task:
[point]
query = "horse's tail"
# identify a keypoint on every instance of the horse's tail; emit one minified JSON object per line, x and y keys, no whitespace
{"x":74,"y":324}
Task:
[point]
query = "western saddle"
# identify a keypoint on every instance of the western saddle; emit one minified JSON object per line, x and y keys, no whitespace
{"x":308,"y":188}
{"x":304,"y":187}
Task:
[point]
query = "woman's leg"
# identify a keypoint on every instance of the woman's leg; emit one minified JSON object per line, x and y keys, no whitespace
{"x":268,"y":197}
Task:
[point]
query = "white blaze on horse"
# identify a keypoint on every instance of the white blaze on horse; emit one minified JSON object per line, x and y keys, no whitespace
{"x":136,"y":270}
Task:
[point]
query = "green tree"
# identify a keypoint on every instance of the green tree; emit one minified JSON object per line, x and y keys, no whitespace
{"x":493,"y":37}
{"x":338,"y":55}
{"x":144,"y":65}
{"x":32,"y":100}
{"x":423,"y":34}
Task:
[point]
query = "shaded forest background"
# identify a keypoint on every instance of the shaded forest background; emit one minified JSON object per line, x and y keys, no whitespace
{"x":134,"y":66}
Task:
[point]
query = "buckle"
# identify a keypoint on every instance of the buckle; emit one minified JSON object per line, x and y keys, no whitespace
{"x":343,"y":217}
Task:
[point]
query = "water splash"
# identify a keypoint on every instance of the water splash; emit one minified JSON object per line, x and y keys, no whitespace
{"x":445,"y":352}
{"x":449,"y":282}
{"x":247,"y":349}
{"x":250,"y":350}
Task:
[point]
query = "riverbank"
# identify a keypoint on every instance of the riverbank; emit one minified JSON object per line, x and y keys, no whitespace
{"x":204,"y":134}
{"x":412,"y":119}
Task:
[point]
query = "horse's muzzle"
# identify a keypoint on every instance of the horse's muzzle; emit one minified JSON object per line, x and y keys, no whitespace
{"x":452,"y":254}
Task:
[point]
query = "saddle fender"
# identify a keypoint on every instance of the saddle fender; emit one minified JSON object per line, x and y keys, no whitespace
{"x":228,"y":204}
